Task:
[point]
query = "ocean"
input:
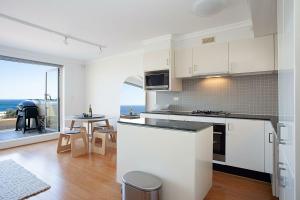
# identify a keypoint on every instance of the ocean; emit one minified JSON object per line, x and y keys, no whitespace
{"x":124,"y":110}
{"x":7,"y":104}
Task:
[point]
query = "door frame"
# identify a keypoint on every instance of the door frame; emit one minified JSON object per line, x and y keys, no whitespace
{"x":58,"y":95}
{"x":44,"y":137}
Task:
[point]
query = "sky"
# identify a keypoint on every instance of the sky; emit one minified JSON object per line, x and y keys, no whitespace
{"x":26,"y":81}
{"x":131,"y":95}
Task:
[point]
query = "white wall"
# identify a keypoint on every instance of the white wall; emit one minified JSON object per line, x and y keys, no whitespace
{"x":72,"y":79}
{"x":104,"y":79}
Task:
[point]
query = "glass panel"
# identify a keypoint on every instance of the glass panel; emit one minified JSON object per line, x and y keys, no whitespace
{"x":132,"y":97}
{"x":52,"y":100}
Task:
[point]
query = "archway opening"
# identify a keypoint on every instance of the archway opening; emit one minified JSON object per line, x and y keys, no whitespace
{"x":132,"y":101}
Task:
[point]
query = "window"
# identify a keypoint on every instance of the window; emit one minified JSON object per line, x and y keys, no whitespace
{"x":132,"y":97}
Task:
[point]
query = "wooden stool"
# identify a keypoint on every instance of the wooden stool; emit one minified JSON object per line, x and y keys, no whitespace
{"x":68,"y":142}
{"x":99,"y":143}
{"x":112,"y":136}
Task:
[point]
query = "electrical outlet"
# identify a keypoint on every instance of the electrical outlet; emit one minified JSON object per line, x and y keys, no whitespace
{"x":175,"y":98}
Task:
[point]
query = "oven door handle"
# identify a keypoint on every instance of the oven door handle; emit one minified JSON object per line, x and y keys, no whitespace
{"x":218,"y":133}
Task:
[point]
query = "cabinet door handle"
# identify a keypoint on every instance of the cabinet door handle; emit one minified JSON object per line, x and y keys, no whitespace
{"x":228,"y":127}
{"x":231,"y":67}
{"x":167,"y":61}
{"x":190,"y":70}
{"x":270,"y":134}
{"x":280,"y":140}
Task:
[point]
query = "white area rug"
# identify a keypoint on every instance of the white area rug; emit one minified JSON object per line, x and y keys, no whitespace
{"x":17,"y":182}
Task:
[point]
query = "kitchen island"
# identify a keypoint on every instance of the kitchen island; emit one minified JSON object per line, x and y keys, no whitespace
{"x":179,"y":152}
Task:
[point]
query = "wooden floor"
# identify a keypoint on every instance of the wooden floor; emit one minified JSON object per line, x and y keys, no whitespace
{"x":10,"y":134}
{"x":93,"y":176}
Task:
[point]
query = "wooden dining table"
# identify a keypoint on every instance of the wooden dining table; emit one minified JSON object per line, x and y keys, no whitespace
{"x":88,"y":120}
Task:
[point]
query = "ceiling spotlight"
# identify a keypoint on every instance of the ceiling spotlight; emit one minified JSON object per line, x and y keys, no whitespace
{"x":66,"y":40}
{"x":206,"y":8}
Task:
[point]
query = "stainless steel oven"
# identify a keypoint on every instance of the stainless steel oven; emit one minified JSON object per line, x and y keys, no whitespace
{"x":157,"y":80}
{"x":219,"y":142}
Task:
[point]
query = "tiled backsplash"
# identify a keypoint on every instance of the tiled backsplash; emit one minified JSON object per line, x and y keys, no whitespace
{"x":253,"y":94}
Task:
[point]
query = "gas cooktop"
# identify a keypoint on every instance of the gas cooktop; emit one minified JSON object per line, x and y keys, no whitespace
{"x":209,"y":112}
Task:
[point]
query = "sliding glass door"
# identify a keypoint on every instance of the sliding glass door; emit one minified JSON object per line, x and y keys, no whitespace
{"x":29,"y":98}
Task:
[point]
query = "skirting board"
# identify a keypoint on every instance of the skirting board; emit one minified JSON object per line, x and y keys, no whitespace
{"x":243,"y":172}
{"x":28,"y":140}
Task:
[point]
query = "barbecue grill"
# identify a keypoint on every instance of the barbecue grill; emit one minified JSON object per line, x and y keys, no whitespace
{"x":27,"y":110}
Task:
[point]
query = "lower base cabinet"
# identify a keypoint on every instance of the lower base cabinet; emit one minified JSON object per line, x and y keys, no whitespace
{"x":248,"y":142}
{"x":245,"y":144}
{"x":269,"y":138}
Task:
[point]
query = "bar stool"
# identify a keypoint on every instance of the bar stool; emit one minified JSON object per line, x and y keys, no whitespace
{"x":68,"y":141}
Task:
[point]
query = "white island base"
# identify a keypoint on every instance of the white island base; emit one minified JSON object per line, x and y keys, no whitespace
{"x":182,"y":159}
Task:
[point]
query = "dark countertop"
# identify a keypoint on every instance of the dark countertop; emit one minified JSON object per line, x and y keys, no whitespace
{"x":167,"y":124}
{"x":273,"y":119}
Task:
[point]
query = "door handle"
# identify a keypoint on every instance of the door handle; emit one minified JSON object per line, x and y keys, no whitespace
{"x":218,"y":133}
{"x":281,"y":179}
{"x":229,"y":126}
{"x":280,"y":140}
{"x":270,"y":134}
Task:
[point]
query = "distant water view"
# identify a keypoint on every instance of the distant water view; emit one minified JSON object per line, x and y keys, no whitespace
{"x":137,"y":109}
{"x":9,"y":104}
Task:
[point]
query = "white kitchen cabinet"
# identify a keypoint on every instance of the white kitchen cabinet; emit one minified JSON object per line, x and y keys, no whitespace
{"x":183,"y":62}
{"x":210,"y":59}
{"x":269,"y":135}
{"x":157,"y":60}
{"x":252,"y":55}
{"x":245,"y":144}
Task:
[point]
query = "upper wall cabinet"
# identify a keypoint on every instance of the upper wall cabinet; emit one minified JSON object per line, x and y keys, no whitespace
{"x":183,"y":62}
{"x":157,"y":60}
{"x":210,"y":59}
{"x":252,"y":55}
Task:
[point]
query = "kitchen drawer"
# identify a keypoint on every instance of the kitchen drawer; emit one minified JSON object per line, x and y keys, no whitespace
{"x":206,"y":119}
{"x":178,"y":117}
{"x":156,"y":116}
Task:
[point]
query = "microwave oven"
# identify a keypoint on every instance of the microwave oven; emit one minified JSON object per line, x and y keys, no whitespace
{"x":157,"y":80}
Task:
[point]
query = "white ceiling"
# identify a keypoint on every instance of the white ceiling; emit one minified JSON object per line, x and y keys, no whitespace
{"x":121,"y":25}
